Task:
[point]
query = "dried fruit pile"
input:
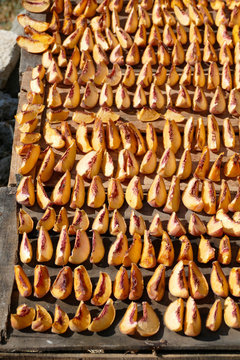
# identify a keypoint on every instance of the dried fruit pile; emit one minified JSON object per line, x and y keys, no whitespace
{"x":115,"y":165}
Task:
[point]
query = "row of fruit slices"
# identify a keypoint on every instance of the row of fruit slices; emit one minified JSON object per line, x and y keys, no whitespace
{"x":132,"y":288}
{"x":138,"y":16}
{"x":157,"y":195}
{"x":92,"y":96}
{"x":147,"y":326}
{"x":197,"y":13}
{"x":146,"y":77}
{"x":174,"y":313}
{"x":133,"y":254}
{"x":123,"y":101}
{"x":134,"y":145}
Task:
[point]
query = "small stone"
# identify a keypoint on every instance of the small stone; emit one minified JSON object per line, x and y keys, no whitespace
{"x":9,"y":55}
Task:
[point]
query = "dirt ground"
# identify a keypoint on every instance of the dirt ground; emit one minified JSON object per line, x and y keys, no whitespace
{"x":8,"y":10}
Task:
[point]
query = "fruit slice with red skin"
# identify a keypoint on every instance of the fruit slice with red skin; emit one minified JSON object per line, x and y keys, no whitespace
{"x":186,"y":252}
{"x":81,"y":319}
{"x":105,"y":319}
{"x":25,"y":194}
{"x":61,"y":321}
{"x":23,"y":284}
{"x":121,"y":284}
{"x":192,"y":321}
{"x":81,"y":249}
{"x":118,"y":250}
{"x":136,"y":283}
{"x":62,"y":190}
{"x":166,"y":252}
{"x":103,"y":290}
{"x":156,"y":284}
{"x":62,"y":220}
{"x":206,"y":252}
{"x":214,"y":227}
{"x":82,"y":284}
{"x":25,"y":222}
{"x":218,"y":280}
{"x":44,"y":246}
{"x":80,"y":222}
{"x":25,"y":20}
{"x":149,"y":324}
{"x":133,"y":253}
{"x":177,"y":282}
{"x":43,"y":320}
{"x":31,"y":46}
{"x":197,"y":282}
{"x":63,"y":248}
{"x":42,"y":281}
{"x":62,"y":286}
{"x":128,"y":323}
{"x":47,"y":220}
{"x":173,"y":317}
{"x":98,"y":249}
{"x":214,"y":318}
{"x":174,"y":226}
{"x":231,"y":313}
{"x":224,"y":251}
{"x":148,"y":258}
{"x":25,"y":251}
{"x":23,"y":318}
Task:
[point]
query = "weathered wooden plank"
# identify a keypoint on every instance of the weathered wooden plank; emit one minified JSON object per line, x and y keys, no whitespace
{"x":8,"y":249}
{"x":119,"y":356}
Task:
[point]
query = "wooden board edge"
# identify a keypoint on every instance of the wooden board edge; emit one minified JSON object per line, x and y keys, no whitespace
{"x":8,"y":253}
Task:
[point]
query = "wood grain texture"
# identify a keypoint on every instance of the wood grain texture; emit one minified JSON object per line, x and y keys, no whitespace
{"x":8,"y":252}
